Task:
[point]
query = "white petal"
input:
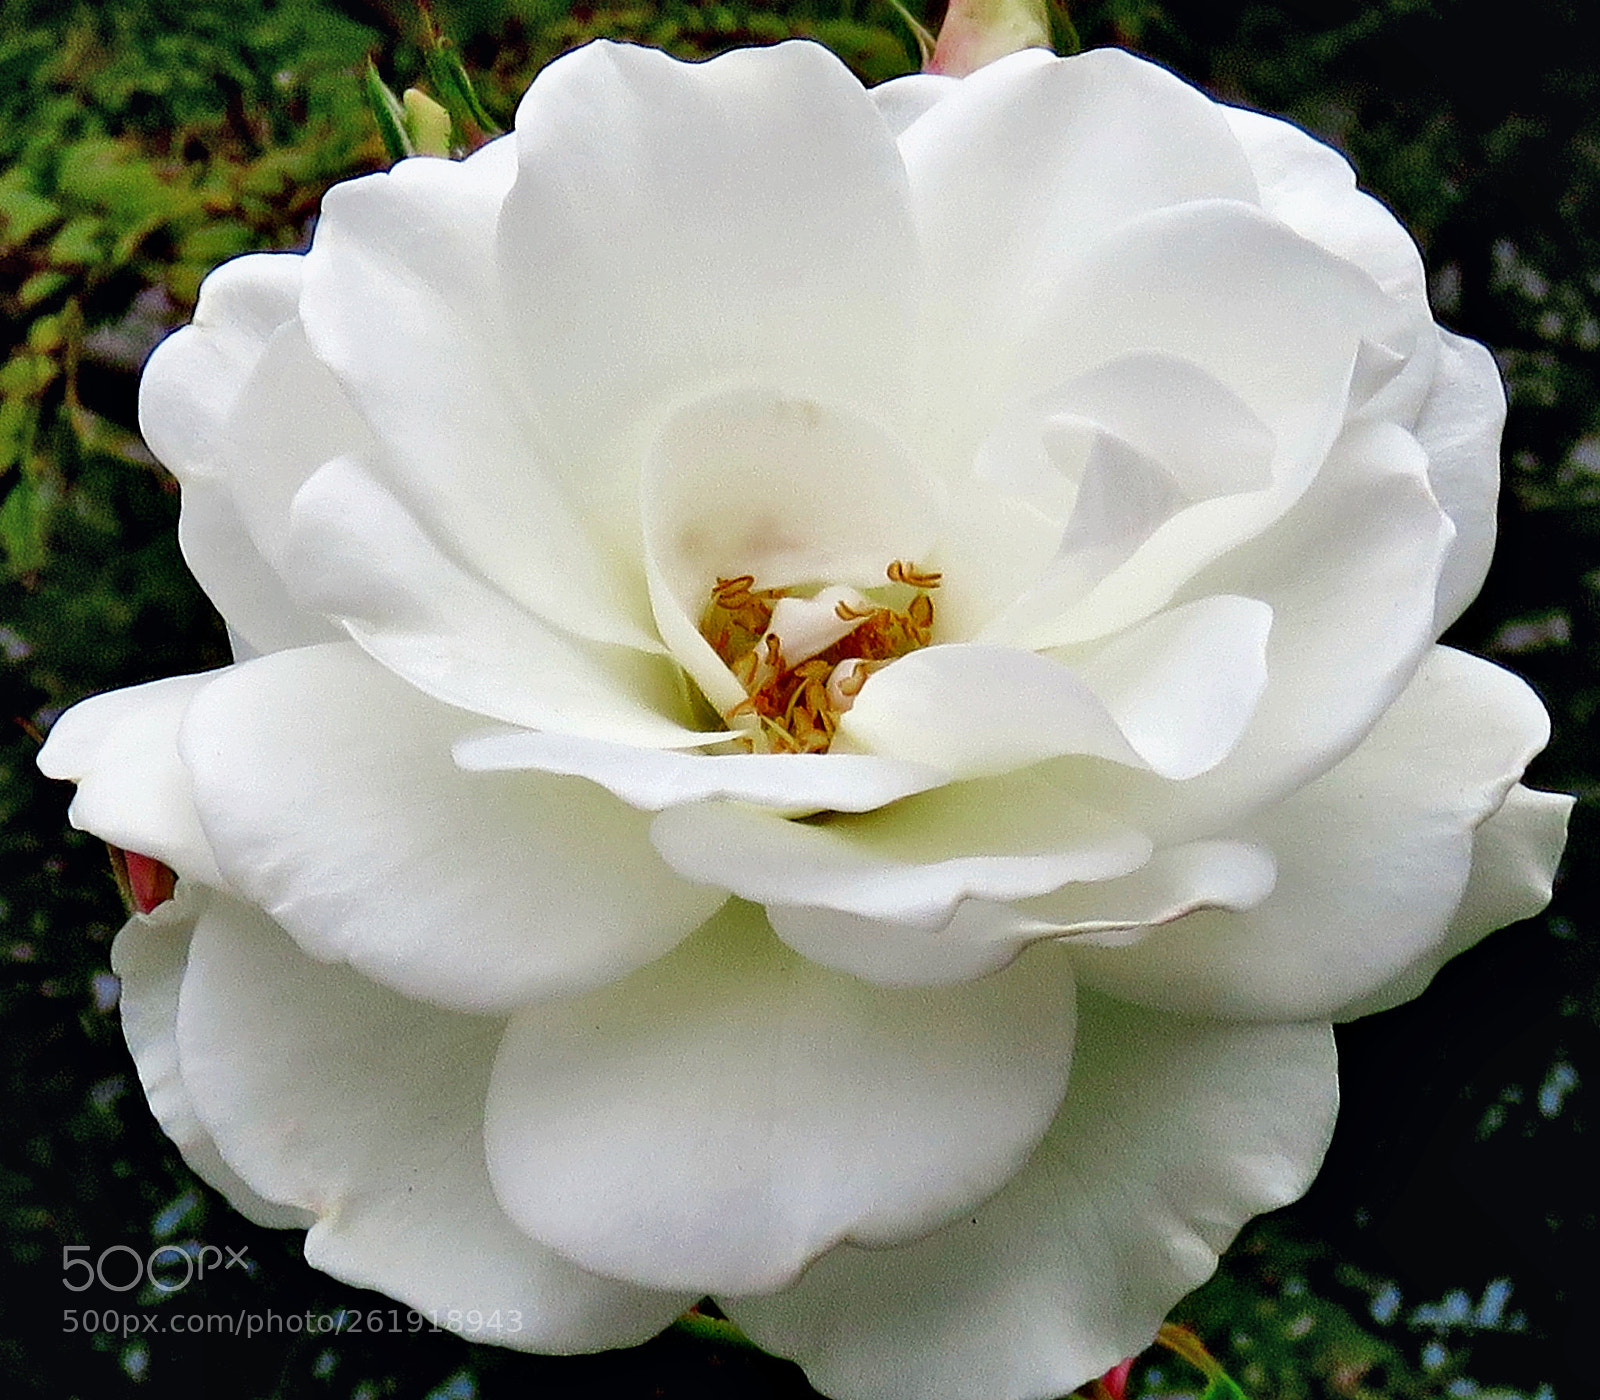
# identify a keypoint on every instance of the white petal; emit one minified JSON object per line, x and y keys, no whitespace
{"x":1350,"y":575}
{"x":992,"y":198}
{"x":328,"y":791}
{"x":787,"y":490}
{"x":1459,"y":429}
{"x":1183,"y":685}
{"x":236,"y":576}
{"x":977,"y":710}
{"x":914,"y":862}
{"x":654,"y":779}
{"x":1514,"y":856}
{"x":195,"y":376}
{"x":133,"y":791}
{"x":1172,"y":694}
{"x":236,"y":408}
{"x":149,"y":958}
{"x":1173,"y":1134}
{"x":1173,"y":884}
{"x":329,"y":1093}
{"x":1312,"y":188}
{"x":402,"y":301}
{"x":1113,"y":456}
{"x":902,"y":100}
{"x":1188,"y":282}
{"x":728,"y":1113}
{"x":356,"y":554}
{"x":676,"y":229}
{"x":1373,"y":860}
{"x":983,"y":936}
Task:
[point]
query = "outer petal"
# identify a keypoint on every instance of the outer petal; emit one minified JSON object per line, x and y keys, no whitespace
{"x":328,"y":790}
{"x":402,"y":301}
{"x":237,"y":578}
{"x":1459,"y":428}
{"x":1312,"y":188}
{"x":1514,"y":856}
{"x":915,"y":862}
{"x":1187,"y":282}
{"x":133,"y":791}
{"x":1350,"y":574}
{"x":212,"y":408}
{"x":149,"y":957}
{"x":1373,"y":861}
{"x":677,"y":229}
{"x":730,"y":1112}
{"x":652,"y":780}
{"x":983,"y":936}
{"x":992,"y":199}
{"x":902,"y":100}
{"x":1173,"y":1134}
{"x":195,"y":376}
{"x":331,"y":1094}
{"x":356,"y":553}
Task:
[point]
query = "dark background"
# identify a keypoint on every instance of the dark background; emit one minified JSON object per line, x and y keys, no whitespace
{"x":1447,"y":1250}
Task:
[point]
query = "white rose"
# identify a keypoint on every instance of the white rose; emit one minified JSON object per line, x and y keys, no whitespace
{"x":555,"y":495}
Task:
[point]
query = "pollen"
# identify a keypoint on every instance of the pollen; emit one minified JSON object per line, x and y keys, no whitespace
{"x":802,"y":660}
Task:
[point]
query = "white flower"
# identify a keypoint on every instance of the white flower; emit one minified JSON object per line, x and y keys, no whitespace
{"x":1068,"y":465}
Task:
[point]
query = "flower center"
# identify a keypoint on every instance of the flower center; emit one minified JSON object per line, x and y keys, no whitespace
{"x":802,"y":660}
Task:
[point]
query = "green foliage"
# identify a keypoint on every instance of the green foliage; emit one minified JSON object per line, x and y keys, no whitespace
{"x":1446,"y":1252}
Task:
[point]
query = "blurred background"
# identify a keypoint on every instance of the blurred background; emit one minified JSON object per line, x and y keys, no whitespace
{"x":1448,"y":1248}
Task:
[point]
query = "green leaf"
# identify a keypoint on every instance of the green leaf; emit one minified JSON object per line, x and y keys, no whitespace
{"x":455,"y":90}
{"x":389,"y":115}
{"x":24,"y":525}
{"x":1223,"y":1388}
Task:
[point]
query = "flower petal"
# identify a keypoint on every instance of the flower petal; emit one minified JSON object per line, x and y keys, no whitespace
{"x":1113,"y":457}
{"x":1173,"y":1134}
{"x":149,"y":958}
{"x":730,"y":1112}
{"x":331,"y":1094}
{"x":234,"y":406}
{"x":654,"y":779}
{"x":329,"y":793}
{"x":1172,"y":694}
{"x":787,"y":490}
{"x":992,"y":200}
{"x":681,"y":228}
{"x":1183,"y":685}
{"x":977,"y":710}
{"x":1312,"y":188}
{"x":356,"y":554}
{"x":902,"y":100}
{"x":1459,"y":428}
{"x":1350,"y":574}
{"x":133,"y":791}
{"x":1187,"y":283}
{"x":194,"y":377}
{"x":983,"y":936}
{"x":403,"y":303}
{"x":1514,"y":856}
{"x":915,"y":862}
{"x":1373,"y":861}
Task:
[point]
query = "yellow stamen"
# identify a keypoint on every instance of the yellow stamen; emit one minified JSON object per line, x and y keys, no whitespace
{"x":796,"y":707}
